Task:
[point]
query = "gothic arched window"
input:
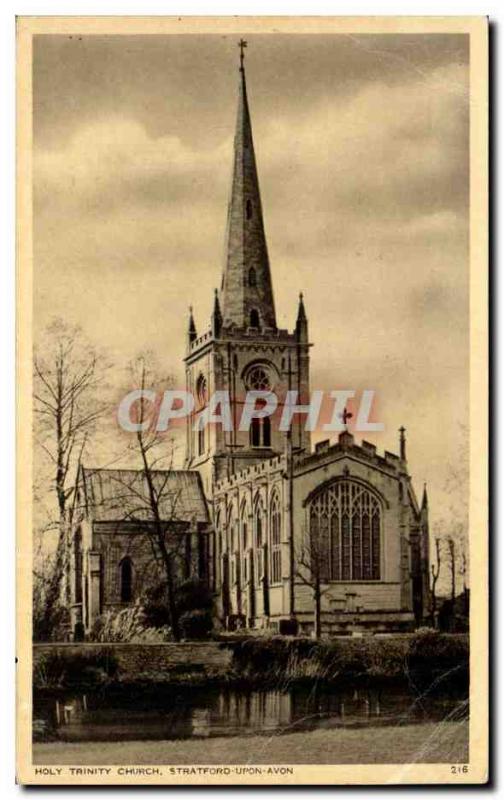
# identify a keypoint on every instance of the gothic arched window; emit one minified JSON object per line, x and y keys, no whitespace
{"x":126,"y":575}
{"x":345,"y":532}
{"x":217,"y":555}
{"x":260,"y":432}
{"x":259,"y":538}
{"x":244,"y":539}
{"x":266,"y":432}
{"x":201,"y":439}
{"x":248,"y":208}
{"x":276,"y":547}
{"x":254,"y":318}
{"x":255,"y":432}
{"x":252,"y":277}
{"x":233,"y":527}
{"x":202,"y":390}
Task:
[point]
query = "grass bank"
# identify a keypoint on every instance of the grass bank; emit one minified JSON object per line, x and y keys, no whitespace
{"x":429,"y":659}
{"x":445,"y":742}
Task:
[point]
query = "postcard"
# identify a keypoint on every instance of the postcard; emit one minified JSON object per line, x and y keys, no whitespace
{"x":252,"y":471}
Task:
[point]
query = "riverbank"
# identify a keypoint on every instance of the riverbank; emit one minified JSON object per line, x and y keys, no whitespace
{"x":430,"y":659}
{"x":444,"y":742}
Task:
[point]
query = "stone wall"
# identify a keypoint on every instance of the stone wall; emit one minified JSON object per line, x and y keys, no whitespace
{"x":212,"y":658}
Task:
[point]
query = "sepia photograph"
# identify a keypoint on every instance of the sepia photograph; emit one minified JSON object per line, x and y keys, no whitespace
{"x":252,"y":320}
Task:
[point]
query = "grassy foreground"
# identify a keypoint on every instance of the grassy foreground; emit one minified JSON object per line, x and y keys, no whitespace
{"x":445,"y":742}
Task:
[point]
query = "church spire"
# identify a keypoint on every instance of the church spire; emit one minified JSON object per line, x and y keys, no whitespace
{"x":247,"y":293}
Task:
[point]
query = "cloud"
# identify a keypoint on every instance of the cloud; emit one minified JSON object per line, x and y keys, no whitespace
{"x":362,"y":149}
{"x":113,"y":163}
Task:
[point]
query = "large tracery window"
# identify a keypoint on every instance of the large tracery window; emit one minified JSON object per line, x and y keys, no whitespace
{"x":345,"y":523}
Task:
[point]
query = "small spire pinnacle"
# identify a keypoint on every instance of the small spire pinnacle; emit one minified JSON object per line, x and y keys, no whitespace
{"x":425,"y":501}
{"x":402,"y":442}
{"x":216,"y":314}
{"x":192,"y":327}
{"x":301,"y":322}
{"x":301,"y":309}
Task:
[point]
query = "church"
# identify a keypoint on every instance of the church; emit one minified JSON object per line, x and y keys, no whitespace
{"x":288,"y":538}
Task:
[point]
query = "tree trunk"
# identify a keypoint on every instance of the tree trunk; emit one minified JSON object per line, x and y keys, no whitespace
{"x":317,"y":598}
{"x":433,"y":601}
{"x":170,"y":594}
{"x":54,"y":588}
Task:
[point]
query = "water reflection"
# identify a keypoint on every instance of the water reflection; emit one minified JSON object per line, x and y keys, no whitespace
{"x":227,"y":712}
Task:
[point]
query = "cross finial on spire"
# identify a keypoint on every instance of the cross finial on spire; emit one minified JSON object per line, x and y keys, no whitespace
{"x":242,"y":44}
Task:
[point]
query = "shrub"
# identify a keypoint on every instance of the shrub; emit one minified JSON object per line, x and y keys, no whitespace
{"x":438,"y":660}
{"x":127,"y":625}
{"x":155,"y":606}
{"x":427,"y":658}
{"x":55,"y":629}
{"x":69,"y":669}
{"x":193,"y":595}
{"x":196,"y":624}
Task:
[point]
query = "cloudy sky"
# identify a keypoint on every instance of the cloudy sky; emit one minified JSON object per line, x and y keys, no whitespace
{"x":362,"y":150}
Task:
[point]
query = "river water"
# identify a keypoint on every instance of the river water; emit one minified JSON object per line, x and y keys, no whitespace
{"x":182,"y":714}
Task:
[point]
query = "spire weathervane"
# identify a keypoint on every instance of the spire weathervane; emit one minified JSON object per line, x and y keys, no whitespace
{"x":242,"y":45}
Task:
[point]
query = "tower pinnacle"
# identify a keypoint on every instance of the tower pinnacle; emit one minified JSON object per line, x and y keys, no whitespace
{"x":216,"y":315}
{"x":191,"y":329}
{"x":425,"y":501}
{"x":402,"y":442}
{"x":301,"y":322}
{"x":247,"y":293}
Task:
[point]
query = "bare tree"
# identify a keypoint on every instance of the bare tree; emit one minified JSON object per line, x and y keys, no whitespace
{"x":435,"y":570}
{"x":311,"y":569}
{"x":456,"y":488}
{"x":463,"y":574}
{"x":68,"y":373}
{"x":452,"y":566}
{"x":156,"y":512}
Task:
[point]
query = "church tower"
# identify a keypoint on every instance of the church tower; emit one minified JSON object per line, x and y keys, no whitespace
{"x":243,"y":349}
